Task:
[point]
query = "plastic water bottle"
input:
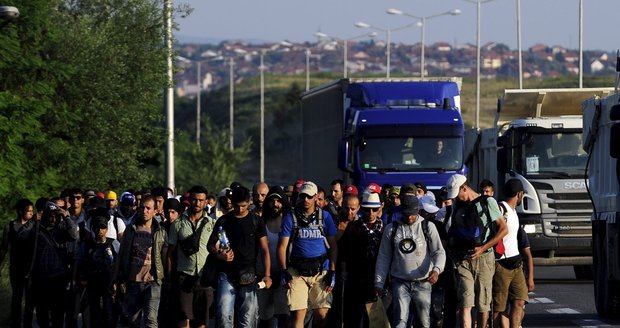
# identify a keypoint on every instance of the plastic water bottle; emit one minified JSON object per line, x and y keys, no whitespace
{"x":224,"y":243}
{"x":110,"y":256}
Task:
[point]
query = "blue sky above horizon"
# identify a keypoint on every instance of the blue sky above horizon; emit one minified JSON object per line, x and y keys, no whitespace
{"x":552,"y":22}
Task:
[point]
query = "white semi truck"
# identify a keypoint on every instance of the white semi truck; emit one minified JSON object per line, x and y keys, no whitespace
{"x":601,"y":139}
{"x":536,"y":138}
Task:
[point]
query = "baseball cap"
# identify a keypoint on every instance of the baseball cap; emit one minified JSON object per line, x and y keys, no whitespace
{"x":371,"y":200}
{"x":276,"y":191}
{"x":409,"y":204}
{"x":430,"y":208}
{"x":454,"y":184}
{"x":298,"y":185}
{"x":351,"y":189}
{"x":100,"y":222}
{"x":128,"y":198}
{"x":226,"y":192}
{"x":308,"y":188}
{"x":51,"y":207}
{"x":90,"y":193}
{"x":373,"y":187}
{"x":110,"y":195}
{"x":408,"y":188}
{"x":395,"y":191}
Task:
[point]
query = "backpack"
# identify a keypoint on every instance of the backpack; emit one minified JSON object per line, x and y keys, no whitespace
{"x":465,"y":235}
{"x":306,"y":267}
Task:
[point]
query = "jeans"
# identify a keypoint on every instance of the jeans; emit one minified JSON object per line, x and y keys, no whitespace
{"x":406,"y":292}
{"x":237,"y":304}
{"x":142,"y":301}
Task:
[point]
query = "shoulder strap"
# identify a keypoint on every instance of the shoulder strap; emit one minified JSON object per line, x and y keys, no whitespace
{"x":484,"y":203}
{"x":425,"y":231}
{"x":115,"y":224}
{"x":394,"y":228}
{"x":320,"y":222}
{"x":291,"y":239}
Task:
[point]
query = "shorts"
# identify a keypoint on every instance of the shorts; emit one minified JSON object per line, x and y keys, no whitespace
{"x":272,"y":302}
{"x":194,"y":300}
{"x":308,"y":292}
{"x":508,"y":285}
{"x":475,"y":282}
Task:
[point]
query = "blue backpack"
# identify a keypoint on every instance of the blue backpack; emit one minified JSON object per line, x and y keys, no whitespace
{"x":469,"y":225}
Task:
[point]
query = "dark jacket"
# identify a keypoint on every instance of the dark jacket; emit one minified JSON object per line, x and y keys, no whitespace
{"x":158,"y":255}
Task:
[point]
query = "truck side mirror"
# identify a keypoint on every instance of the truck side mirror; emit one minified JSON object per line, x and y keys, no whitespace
{"x":501,"y":141}
{"x":614,"y":135}
{"x":344,"y":151}
{"x":502,"y":161}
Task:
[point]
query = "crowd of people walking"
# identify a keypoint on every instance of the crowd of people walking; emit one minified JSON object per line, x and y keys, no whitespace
{"x":271,"y":256}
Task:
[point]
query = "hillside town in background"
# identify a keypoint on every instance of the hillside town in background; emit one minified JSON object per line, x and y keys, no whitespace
{"x":368,"y":58}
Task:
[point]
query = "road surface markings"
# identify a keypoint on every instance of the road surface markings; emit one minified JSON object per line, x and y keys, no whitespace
{"x":563,"y":310}
{"x":591,"y":323}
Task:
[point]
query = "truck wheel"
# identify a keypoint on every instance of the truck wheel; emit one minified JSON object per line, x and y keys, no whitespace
{"x":606,"y":292}
{"x":583,"y":272}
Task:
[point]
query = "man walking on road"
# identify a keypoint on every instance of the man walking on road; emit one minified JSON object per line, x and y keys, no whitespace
{"x":470,"y":243}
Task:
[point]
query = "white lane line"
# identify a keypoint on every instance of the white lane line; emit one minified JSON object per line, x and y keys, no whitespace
{"x":542,"y":300}
{"x":563,"y":310}
{"x":591,"y":323}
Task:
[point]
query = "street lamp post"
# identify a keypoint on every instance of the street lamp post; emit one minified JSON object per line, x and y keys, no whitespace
{"x":345,"y":46}
{"x":307,"y":70}
{"x":262,"y":116}
{"x":580,"y":43}
{"x":478,"y":4}
{"x":520,"y":50}
{"x":169,"y":99}
{"x":423,"y":19}
{"x":231,"y":120}
{"x":388,"y":33}
{"x":198,"y":85}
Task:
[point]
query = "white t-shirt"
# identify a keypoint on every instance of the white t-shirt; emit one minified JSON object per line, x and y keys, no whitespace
{"x":511,"y":244}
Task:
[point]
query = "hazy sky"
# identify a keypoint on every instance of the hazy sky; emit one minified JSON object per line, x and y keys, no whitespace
{"x":553,"y":22}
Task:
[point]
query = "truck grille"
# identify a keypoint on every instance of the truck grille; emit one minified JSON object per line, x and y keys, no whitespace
{"x":564,"y":214}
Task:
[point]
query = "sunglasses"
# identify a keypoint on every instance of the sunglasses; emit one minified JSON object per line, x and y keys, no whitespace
{"x":370,"y":209}
{"x":304,"y":196}
{"x":77,"y":197}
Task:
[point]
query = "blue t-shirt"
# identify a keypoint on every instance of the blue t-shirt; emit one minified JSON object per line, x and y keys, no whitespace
{"x":309,"y":241}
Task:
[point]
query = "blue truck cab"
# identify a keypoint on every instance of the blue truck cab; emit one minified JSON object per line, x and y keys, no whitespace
{"x":394,"y":131}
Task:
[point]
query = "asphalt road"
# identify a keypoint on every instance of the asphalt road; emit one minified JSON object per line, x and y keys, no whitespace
{"x":562,"y":301}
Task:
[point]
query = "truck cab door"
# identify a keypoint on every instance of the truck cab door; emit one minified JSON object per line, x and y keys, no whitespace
{"x":345,"y":154}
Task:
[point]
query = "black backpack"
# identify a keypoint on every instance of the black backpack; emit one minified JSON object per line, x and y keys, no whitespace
{"x":468,"y":228}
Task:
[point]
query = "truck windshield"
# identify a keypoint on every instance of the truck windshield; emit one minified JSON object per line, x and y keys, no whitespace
{"x":554,"y":153}
{"x":412,"y":154}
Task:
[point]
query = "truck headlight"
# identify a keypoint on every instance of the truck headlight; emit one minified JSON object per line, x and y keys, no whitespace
{"x":532,"y":228}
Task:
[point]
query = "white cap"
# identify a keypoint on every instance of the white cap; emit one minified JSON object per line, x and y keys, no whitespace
{"x":308,"y":188}
{"x":454,"y":184}
{"x":371,"y":200}
{"x":430,"y":208}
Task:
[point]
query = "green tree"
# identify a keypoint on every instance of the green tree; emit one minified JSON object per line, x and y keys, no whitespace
{"x":213,"y":165}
